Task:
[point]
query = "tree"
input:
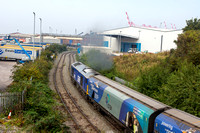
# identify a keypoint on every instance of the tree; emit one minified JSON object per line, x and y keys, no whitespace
{"x":192,"y":24}
{"x":182,"y":89}
{"x":188,"y":46}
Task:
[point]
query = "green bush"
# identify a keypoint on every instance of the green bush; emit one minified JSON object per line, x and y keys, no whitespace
{"x":57,"y":48}
{"x":188,"y":47}
{"x":35,"y":71}
{"x":40,"y":109}
{"x":192,"y":24}
{"x":40,"y":106}
{"x":182,"y":90}
{"x":152,"y":79}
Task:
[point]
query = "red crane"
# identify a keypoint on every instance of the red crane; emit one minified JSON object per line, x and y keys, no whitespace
{"x":129,"y":22}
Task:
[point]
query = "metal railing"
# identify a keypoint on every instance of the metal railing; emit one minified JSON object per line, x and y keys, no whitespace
{"x":11,"y":101}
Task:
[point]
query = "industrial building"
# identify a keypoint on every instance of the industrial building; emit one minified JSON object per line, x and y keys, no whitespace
{"x":70,"y":40}
{"x":47,"y":38}
{"x":144,"y":39}
{"x":21,"y":37}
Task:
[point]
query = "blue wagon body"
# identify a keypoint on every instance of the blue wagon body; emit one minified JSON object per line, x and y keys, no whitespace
{"x":176,"y":121}
{"x":120,"y":105}
{"x":141,"y":112}
{"x":166,"y":124}
{"x":96,"y":89}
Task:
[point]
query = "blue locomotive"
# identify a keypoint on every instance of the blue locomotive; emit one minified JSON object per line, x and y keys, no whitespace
{"x":135,"y":111}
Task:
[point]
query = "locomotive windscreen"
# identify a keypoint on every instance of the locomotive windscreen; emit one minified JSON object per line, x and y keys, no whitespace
{"x":76,"y":64}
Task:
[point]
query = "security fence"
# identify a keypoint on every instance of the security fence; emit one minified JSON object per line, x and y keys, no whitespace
{"x":11,"y":101}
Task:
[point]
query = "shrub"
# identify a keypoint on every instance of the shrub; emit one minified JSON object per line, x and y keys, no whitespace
{"x":36,"y":71}
{"x":182,"y":89}
{"x":57,"y":48}
{"x":129,"y":67}
{"x":39,"y":108}
{"x":188,"y":47}
{"x":152,"y":79}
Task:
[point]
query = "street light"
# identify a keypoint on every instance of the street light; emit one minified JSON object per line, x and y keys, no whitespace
{"x":40,"y":34}
{"x":40,"y":31}
{"x":33,"y":36}
{"x":120,"y":41}
{"x":49,"y":29}
{"x":139,"y":34}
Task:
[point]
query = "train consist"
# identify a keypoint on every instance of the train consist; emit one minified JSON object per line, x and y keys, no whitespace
{"x":135,"y":111}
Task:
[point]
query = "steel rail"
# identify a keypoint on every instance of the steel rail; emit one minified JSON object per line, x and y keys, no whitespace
{"x":77,"y":106}
{"x":57,"y":90}
{"x":110,"y":120}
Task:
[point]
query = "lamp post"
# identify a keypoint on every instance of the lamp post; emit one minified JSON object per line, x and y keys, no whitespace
{"x":40,"y":34}
{"x":161,"y":43}
{"x":49,"y":29}
{"x":40,"y":31}
{"x":120,"y":45}
{"x":139,"y":34}
{"x":33,"y":36}
{"x":18,"y":34}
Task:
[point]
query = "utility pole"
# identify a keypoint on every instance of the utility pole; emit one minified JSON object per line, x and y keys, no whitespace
{"x":161,"y":43}
{"x":40,"y":34}
{"x":120,"y":45}
{"x":33,"y":36}
{"x":40,"y":31}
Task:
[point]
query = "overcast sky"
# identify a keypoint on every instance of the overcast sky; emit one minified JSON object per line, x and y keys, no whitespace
{"x":97,"y":15}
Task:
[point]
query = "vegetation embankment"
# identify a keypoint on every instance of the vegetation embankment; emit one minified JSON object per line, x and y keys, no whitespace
{"x":171,"y":77}
{"x":40,"y":108}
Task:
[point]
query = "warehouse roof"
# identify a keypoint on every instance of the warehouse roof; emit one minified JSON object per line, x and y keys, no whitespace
{"x":70,"y":38}
{"x":134,"y":32}
{"x":19,"y":48}
{"x":7,"y":45}
{"x":120,"y":35}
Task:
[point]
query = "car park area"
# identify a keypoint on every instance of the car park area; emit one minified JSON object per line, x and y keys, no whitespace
{"x":5,"y":72}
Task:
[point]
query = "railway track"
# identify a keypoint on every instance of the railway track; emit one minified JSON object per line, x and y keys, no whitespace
{"x":108,"y":118}
{"x":79,"y":121}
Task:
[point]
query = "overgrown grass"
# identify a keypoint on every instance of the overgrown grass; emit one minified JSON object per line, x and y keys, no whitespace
{"x":130,"y":66}
{"x":40,"y":109}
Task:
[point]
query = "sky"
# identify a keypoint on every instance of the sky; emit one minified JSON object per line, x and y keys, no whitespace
{"x":68,"y":16}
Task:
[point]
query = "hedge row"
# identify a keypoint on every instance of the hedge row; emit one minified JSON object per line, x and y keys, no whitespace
{"x":40,"y":108}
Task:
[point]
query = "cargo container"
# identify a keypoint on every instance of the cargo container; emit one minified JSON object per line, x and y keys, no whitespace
{"x":16,"y":53}
{"x":26,"y":47}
